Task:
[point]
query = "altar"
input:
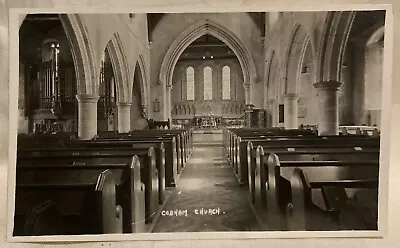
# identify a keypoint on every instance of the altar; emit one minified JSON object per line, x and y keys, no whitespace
{"x":208,"y":121}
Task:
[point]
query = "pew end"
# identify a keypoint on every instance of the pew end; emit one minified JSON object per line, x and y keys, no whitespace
{"x":138,"y":215}
{"x":250,"y":170}
{"x":260,"y":178}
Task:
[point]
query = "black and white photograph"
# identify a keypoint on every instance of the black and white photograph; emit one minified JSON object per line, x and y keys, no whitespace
{"x":197,"y":122}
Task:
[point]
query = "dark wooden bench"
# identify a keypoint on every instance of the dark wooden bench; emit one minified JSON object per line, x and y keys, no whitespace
{"x":239,"y":150}
{"x":251,"y":134}
{"x":181,"y":136}
{"x":129,"y":188}
{"x":71,"y":206}
{"x":148,"y":168}
{"x":28,"y":141}
{"x":283,"y":194}
{"x":171,"y":159}
{"x":163,"y":138}
{"x":126,"y":147}
{"x":184,"y":139}
{"x":293,"y":143}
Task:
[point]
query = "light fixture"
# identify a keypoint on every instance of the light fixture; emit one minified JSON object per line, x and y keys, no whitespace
{"x":212,"y":56}
{"x":204,"y":57}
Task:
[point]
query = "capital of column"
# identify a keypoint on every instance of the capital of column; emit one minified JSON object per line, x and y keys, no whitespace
{"x":328,"y":85}
{"x":124,"y":104}
{"x":291,"y":96}
{"x":169,"y":87}
{"x":246,"y":86}
{"x":87,"y":98}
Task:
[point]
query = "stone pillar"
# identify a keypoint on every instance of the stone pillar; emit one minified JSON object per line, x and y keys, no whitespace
{"x":247,"y":93}
{"x":169,"y":103}
{"x":328,"y":109}
{"x":124,"y":117}
{"x":87,"y":116}
{"x":145,"y":112}
{"x":290,"y":111}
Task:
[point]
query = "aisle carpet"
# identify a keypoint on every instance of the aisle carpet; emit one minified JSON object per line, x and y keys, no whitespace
{"x":207,"y":182}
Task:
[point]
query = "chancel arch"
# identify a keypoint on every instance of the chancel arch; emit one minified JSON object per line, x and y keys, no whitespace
{"x":200,"y":87}
{"x":189,"y":36}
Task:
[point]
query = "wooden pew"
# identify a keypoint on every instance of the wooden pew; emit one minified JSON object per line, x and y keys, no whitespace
{"x":71,"y":206}
{"x":185,"y":137}
{"x":315,"y":152}
{"x":126,"y":146}
{"x":129,"y":188}
{"x":171,"y":160}
{"x":359,"y":130}
{"x":148,"y":169}
{"x":302,"y":212}
{"x":156,"y":136}
{"x":261,"y":133}
{"x":299,"y":142}
{"x":28,"y":141}
{"x":330,"y":168}
{"x":239,"y":151}
{"x":241,"y":165}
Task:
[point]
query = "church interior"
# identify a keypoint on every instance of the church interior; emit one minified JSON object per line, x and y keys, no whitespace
{"x":198,"y":122}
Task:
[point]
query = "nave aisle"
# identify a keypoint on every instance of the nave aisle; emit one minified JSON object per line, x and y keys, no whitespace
{"x":208,"y":183}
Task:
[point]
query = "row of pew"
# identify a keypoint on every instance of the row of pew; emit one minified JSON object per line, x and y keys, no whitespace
{"x":298,"y":180}
{"x":114,"y":183}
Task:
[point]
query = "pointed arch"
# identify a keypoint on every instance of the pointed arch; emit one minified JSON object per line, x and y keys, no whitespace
{"x":333,"y":42}
{"x":120,"y":67}
{"x":196,"y":31}
{"x":82,"y":53}
{"x":293,"y":58}
{"x":143,"y":79}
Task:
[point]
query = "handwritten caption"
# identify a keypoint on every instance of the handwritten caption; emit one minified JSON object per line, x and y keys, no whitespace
{"x":197,"y":211}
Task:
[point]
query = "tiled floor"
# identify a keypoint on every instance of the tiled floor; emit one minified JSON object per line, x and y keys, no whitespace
{"x":207,"y":184}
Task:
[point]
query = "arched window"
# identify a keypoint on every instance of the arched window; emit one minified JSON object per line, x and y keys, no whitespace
{"x":226,"y":83}
{"x":190,"y":84}
{"x":208,"y":83}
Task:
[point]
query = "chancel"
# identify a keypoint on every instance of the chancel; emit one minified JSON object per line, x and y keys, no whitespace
{"x":198,"y":122}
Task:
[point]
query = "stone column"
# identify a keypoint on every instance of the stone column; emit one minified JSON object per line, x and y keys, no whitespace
{"x":290,"y":111}
{"x":328,"y":109}
{"x":87,"y":116}
{"x":145,"y":112}
{"x":124,"y":117}
{"x":169,"y":103}
{"x":247,"y":93}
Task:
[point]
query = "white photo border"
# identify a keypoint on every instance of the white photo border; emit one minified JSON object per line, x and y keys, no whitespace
{"x":14,"y":20}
